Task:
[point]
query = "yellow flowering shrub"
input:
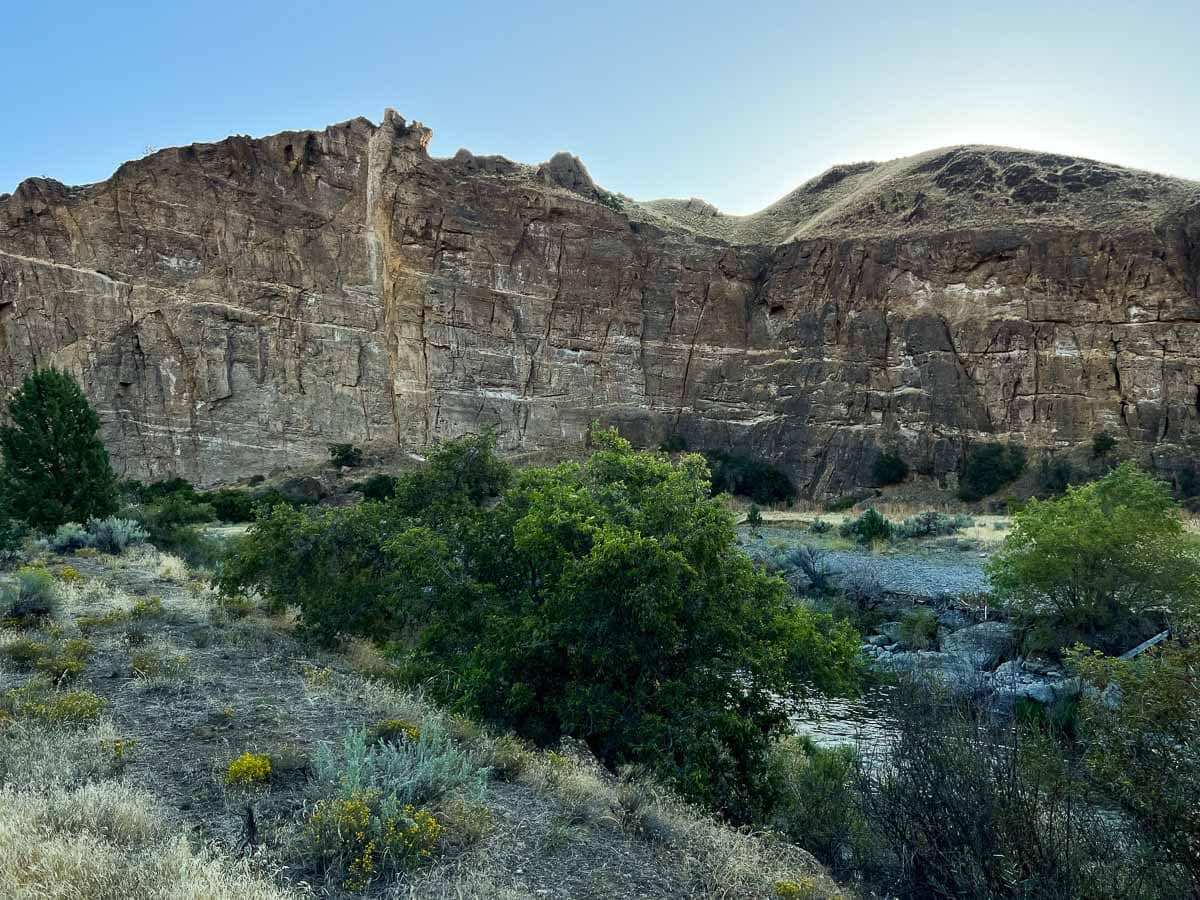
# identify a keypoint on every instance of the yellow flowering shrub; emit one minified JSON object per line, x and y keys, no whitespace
{"x":147,"y":607}
{"x":248,"y":769}
{"x":35,"y":700}
{"x":69,"y":575}
{"x":355,"y":832}
{"x":394,"y":731}
{"x":804,"y":889}
{"x":89,"y":624}
{"x":25,"y":653}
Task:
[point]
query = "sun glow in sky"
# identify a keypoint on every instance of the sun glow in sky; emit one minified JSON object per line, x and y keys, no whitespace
{"x":735,"y":103}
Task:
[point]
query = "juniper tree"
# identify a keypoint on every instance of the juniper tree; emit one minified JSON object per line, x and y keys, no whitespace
{"x":56,"y":469}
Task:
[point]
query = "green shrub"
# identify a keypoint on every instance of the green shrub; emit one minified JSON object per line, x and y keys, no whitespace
{"x":967,"y":805}
{"x":377,"y":487}
{"x":623,"y":566}
{"x":55,"y":468}
{"x":366,"y":836}
{"x":416,"y":770}
{"x":345,"y":455}
{"x":841,"y":504}
{"x":1103,"y":444}
{"x":1099,"y":558}
{"x":11,"y":534}
{"x":889,"y":468}
{"x":69,"y":537}
{"x":33,"y":596}
{"x":918,"y":628}
{"x":813,"y":802}
{"x":819,"y":526}
{"x":867,"y":528}
{"x":932,"y":524}
{"x":1054,"y":475}
{"x":115,"y":536}
{"x":38,"y":701}
{"x":988,"y":468}
{"x":754,"y":516}
{"x":26,"y":652}
{"x":1144,"y":751}
{"x":231,"y":504}
{"x":751,"y":478}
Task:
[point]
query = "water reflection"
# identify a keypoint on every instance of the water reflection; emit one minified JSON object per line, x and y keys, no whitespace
{"x":863,"y":721}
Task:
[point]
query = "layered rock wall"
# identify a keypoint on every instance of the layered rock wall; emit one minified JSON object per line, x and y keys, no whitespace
{"x":236,"y":307}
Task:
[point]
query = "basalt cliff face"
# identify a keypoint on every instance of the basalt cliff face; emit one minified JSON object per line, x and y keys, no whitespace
{"x":233,"y":308}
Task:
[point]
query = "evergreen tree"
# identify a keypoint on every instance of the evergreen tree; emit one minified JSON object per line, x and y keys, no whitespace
{"x":56,"y":469}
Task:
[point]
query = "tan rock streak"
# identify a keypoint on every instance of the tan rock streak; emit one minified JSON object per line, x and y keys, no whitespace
{"x":236,"y":307}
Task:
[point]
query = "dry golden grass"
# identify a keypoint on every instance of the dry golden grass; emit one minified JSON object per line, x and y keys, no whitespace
{"x":106,"y":841}
{"x":547,"y":822}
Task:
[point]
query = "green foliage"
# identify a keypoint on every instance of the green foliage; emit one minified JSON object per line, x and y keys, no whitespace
{"x":11,"y":531}
{"x":345,"y":455}
{"x":813,"y":802}
{"x":988,"y":468}
{"x":1143,"y":745}
{"x":867,"y":528}
{"x":1054,"y":475}
{"x":932,"y":524}
{"x":751,"y":478}
{"x":69,"y":537}
{"x":415,"y":771}
{"x":754,"y":516}
{"x":918,"y":628}
{"x":377,"y":487}
{"x":968,"y":805}
{"x":33,"y":595}
{"x":592,"y":599}
{"x":1103,"y":444}
{"x":675,"y":443}
{"x":231,"y":504}
{"x":1100,"y":556}
{"x":889,"y":468}
{"x":841,"y":504}
{"x":114,"y":535}
{"x":819,"y":526}
{"x":609,"y":199}
{"x":55,"y":468}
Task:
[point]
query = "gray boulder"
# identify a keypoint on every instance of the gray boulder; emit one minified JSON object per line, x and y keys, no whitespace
{"x":951,"y":670}
{"x":985,"y":644}
{"x":891,"y":630}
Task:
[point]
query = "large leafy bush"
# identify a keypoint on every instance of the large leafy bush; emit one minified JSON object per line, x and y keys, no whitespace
{"x":604,"y":600}
{"x":1100,"y":556}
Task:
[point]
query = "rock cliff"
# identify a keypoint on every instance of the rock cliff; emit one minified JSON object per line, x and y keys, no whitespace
{"x":236,"y":307}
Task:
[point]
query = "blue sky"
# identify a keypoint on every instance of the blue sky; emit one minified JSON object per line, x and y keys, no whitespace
{"x":735,"y":103}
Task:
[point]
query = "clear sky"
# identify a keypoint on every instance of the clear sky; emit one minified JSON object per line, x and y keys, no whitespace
{"x":734,"y":102}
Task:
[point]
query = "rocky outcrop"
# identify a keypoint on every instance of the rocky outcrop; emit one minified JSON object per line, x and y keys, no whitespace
{"x":236,"y":307}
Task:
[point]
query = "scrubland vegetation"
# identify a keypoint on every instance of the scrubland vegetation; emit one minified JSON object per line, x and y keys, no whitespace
{"x":569,"y":681}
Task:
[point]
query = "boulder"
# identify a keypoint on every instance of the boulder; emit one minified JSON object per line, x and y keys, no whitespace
{"x":891,"y":630}
{"x":953,"y":620}
{"x":985,"y":644}
{"x":303,"y":489}
{"x":950,"y":670}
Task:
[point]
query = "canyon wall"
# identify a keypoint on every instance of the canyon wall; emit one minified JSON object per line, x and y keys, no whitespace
{"x":234,"y":308}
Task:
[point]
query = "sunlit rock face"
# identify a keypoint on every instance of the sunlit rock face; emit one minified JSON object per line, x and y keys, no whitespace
{"x":234,"y":308}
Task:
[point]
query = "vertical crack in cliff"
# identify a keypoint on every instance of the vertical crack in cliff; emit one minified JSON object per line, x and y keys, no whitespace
{"x":539,"y":352}
{"x":687,"y":366}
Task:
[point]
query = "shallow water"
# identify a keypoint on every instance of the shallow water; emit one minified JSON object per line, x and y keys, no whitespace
{"x":861,"y":721}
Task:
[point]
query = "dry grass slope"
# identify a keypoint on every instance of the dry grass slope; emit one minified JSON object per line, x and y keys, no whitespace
{"x":134,"y":802}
